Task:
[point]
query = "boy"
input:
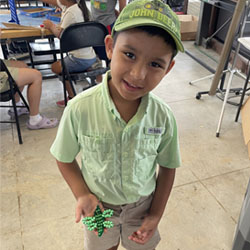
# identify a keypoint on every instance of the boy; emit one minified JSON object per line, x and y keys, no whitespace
{"x":124,"y":131}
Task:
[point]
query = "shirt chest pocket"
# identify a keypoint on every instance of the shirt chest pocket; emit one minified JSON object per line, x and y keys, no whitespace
{"x":144,"y":165}
{"x":98,"y":156}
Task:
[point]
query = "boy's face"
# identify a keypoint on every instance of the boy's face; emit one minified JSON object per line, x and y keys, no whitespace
{"x":138,"y":63}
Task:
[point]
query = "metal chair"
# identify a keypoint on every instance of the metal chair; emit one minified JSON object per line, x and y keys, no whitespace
{"x":82,"y":35}
{"x":46,"y":47}
{"x":9,"y":95}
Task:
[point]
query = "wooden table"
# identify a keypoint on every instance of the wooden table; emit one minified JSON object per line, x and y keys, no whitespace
{"x":8,"y":35}
{"x":25,"y":35}
{"x":13,"y":34}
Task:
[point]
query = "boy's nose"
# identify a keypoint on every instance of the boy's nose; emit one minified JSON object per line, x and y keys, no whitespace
{"x":138,"y":71}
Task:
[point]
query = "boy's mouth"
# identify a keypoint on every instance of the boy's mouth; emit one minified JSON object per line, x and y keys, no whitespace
{"x":131,"y":86}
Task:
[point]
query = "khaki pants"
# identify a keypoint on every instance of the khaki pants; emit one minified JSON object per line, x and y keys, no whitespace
{"x":4,"y":84}
{"x":127,"y":219}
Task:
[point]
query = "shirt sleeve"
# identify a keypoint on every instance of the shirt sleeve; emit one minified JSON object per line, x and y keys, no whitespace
{"x":169,"y":151}
{"x":66,"y":147}
{"x":67,"y":20}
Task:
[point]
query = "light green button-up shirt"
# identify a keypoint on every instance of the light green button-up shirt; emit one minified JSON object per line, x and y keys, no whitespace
{"x":118,"y":159}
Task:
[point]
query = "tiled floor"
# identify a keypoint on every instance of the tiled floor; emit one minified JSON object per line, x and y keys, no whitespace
{"x":37,"y":207}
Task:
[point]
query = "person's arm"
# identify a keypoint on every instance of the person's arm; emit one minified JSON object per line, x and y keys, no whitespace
{"x":164,"y":186}
{"x":122,"y":4}
{"x":86,"y":201}
{"x":55,"y":29}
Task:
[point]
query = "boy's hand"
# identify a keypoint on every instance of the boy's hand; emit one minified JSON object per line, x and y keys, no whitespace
{"x":86,"y":206}
{"x":146,"y":231}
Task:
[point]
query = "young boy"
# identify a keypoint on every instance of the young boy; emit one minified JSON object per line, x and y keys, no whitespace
{"x":124,"y":131}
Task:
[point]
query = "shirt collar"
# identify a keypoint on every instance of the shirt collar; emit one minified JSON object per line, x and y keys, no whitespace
{"x":111,"y":106}
{"x":106,"y":95}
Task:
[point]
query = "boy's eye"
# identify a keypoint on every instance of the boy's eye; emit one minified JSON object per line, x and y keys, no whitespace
{"x":156,"y":65}
{"x":130,"y":55}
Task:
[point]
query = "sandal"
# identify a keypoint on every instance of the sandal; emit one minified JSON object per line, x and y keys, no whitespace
{"x":20,"y":111}
{"x":44,"y":123}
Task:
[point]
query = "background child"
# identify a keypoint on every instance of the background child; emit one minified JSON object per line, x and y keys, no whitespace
{"x":105,"y":12}
{"x":124,"y":131}
{"x":73,"y":11}
{"x":33,"y":79}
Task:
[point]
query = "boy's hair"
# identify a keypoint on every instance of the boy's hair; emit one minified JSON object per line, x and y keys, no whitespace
{"x":153,"y":13}
{"x":154,"y":31}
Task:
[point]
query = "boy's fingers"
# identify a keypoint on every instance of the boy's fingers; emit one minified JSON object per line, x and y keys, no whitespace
{"x":136,"y":239}
{"x":140,"y":237}
{"x":101,"y":206}
{"x":78,"y":214}
{"x":142,"y":234}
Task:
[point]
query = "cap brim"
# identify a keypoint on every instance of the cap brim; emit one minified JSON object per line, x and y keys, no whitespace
{"x":147,"y":22}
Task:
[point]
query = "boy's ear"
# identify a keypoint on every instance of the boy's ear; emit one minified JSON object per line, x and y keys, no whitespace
{"x":171,"y":65}
{"x":109,"y":46}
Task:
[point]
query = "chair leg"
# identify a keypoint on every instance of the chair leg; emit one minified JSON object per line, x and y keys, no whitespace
{"x":23,"y":99}
{"x":92,"y":80}
{"x":225,"y":101}
{"x":72,"y":86}
{"x":17,"y":122}
{"x":30,"y":54}
{"x":64,"y":92}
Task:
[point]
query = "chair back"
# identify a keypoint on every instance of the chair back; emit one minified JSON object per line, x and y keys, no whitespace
{"x":78,"y":36}
{"x":82,"y":35}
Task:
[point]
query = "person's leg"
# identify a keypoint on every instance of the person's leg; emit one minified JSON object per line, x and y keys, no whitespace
{"x":57,"y":69}
{"x":16,"y":64}
{"x":73,"y":64}
{"x":32,"y":78}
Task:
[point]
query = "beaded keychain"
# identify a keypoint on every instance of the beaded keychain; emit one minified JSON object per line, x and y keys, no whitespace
{"x":98,"y":220}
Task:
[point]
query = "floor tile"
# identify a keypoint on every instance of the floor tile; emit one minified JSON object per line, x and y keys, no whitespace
{"x":194,"y":220}
{"x":63,"y":234}
{"x":11,"y":241}
{"x":43,"y":198}
{"x":9,"y":205}
{"x":229,"y":190}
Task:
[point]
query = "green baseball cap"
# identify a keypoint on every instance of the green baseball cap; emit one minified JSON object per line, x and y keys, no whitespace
{"x":150,"y":13}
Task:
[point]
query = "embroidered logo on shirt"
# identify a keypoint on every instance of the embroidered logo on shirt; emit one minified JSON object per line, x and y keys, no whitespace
{"x":154,"y":131}
{"x":99,"y":4}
